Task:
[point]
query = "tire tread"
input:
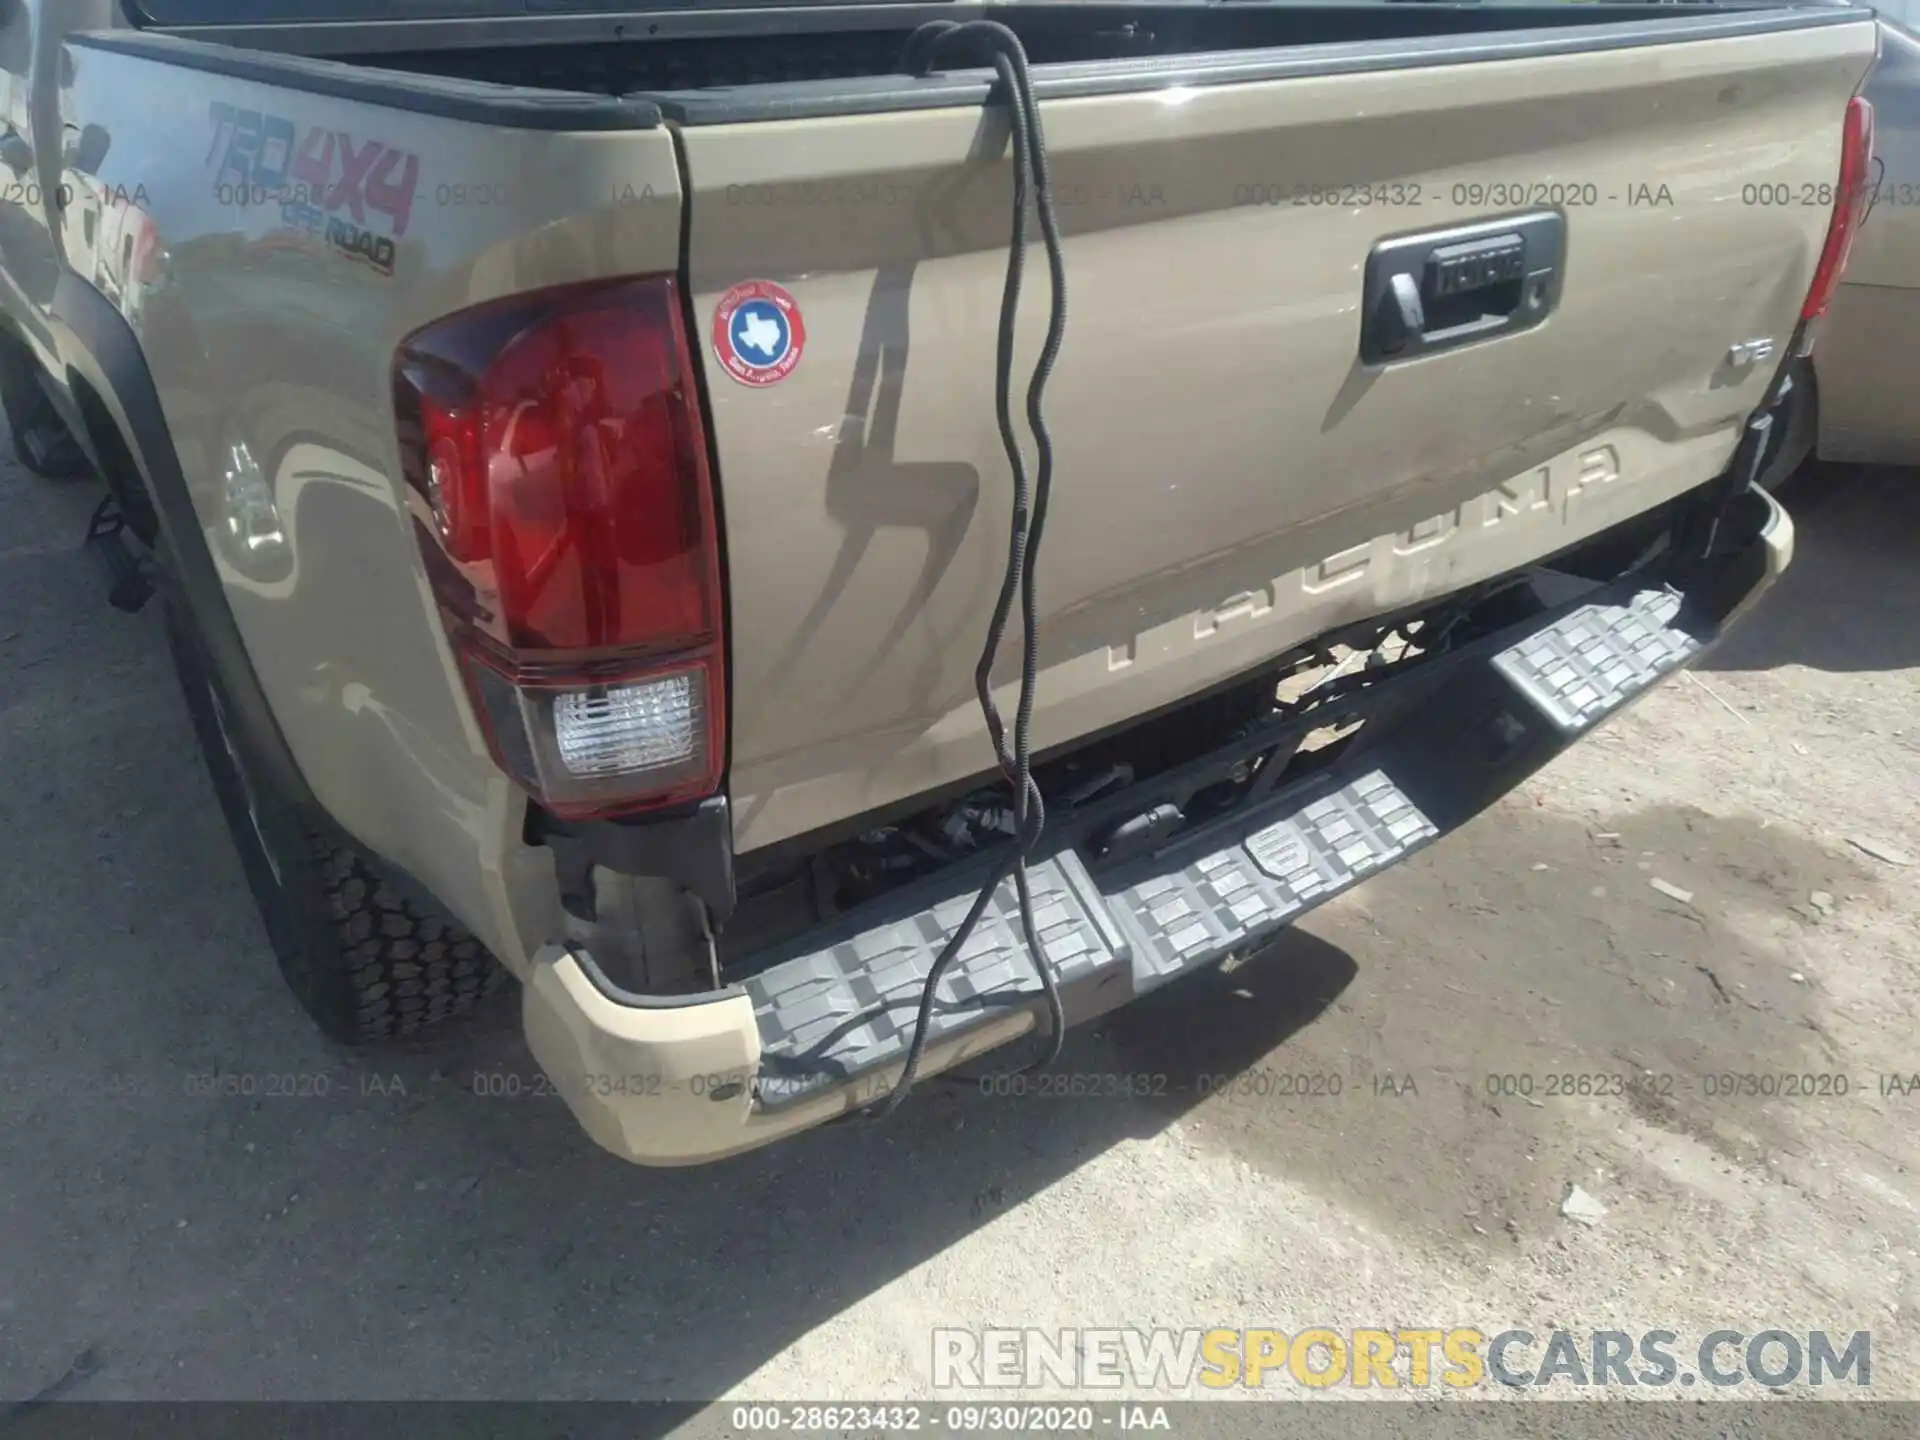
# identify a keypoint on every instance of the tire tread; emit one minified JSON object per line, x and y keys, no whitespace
{"x":410,"y":972}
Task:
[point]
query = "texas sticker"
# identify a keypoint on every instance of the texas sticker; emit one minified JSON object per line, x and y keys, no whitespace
{"x":757,"y":332}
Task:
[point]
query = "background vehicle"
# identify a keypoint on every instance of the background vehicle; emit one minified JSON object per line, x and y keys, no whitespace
{"x":1857,"y":406}
{"x":1402,"y":435}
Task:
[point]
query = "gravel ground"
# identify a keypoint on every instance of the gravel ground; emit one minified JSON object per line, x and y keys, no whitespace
{"x":404,"y":1237}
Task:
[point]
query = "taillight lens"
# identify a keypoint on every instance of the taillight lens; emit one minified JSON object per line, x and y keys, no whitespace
{"x":1851,"y":203}
{"x":561,"y":498}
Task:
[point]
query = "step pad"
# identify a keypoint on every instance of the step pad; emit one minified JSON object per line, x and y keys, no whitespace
{"x":848,"y":1004}
{"x":1234,"y":892}
{"x":1592,"y":661}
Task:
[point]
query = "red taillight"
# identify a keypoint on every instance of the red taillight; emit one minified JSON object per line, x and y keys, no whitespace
{"x":1851,"y":203}
{"x":565,"y":511}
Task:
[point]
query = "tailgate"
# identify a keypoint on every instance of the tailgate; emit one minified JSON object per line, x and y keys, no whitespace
{"x":1232,"y":477}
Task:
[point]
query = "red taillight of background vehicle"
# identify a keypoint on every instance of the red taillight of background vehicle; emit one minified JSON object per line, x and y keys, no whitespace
{"x":1853,"y":200}
{"x":562,"y":501}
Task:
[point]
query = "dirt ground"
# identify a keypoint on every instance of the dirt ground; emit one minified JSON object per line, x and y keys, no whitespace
{"x":404,"y":1237}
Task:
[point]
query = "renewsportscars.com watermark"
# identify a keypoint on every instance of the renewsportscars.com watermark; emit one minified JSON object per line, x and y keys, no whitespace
{"x":1441,"y":1357}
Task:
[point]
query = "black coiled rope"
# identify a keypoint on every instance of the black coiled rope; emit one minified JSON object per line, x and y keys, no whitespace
{"x":1030,"y":176}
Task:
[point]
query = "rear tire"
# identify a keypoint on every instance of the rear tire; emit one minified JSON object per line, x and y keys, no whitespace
{"x":366,"y":962}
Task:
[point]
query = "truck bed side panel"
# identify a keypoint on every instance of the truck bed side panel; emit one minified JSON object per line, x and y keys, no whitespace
{"x":270,"y":245}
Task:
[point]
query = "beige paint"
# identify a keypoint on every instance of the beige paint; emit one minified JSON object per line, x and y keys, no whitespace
{"x":281,"y":347}
{"x":641,"y":1080}
{"x":1778,"y":541}
{"x":1236,"y":449}
{"x":1215,"y":432}
{"x":1229,"y":479}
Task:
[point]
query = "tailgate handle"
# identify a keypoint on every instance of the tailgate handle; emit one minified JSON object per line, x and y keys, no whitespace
{"x":1459,"y":285}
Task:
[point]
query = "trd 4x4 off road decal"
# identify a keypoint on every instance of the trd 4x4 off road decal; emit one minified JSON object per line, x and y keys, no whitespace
{"x":357,"y":195}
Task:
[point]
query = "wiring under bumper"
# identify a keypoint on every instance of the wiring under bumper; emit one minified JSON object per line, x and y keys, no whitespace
{"x":820,"y":1027}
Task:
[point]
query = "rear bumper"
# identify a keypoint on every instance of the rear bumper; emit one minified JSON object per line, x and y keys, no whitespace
{"x":822,"y":1024}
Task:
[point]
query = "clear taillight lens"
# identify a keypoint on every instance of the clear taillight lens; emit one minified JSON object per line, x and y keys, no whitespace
{"x":625,"y":729}
{"x":565,"y":511}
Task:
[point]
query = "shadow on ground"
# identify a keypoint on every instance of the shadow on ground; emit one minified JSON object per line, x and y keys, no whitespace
{"x":1848,"y":602}
{"x":425,"y":1223}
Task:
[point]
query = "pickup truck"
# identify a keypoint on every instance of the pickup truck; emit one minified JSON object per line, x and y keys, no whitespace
{"x":568,"y":439}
